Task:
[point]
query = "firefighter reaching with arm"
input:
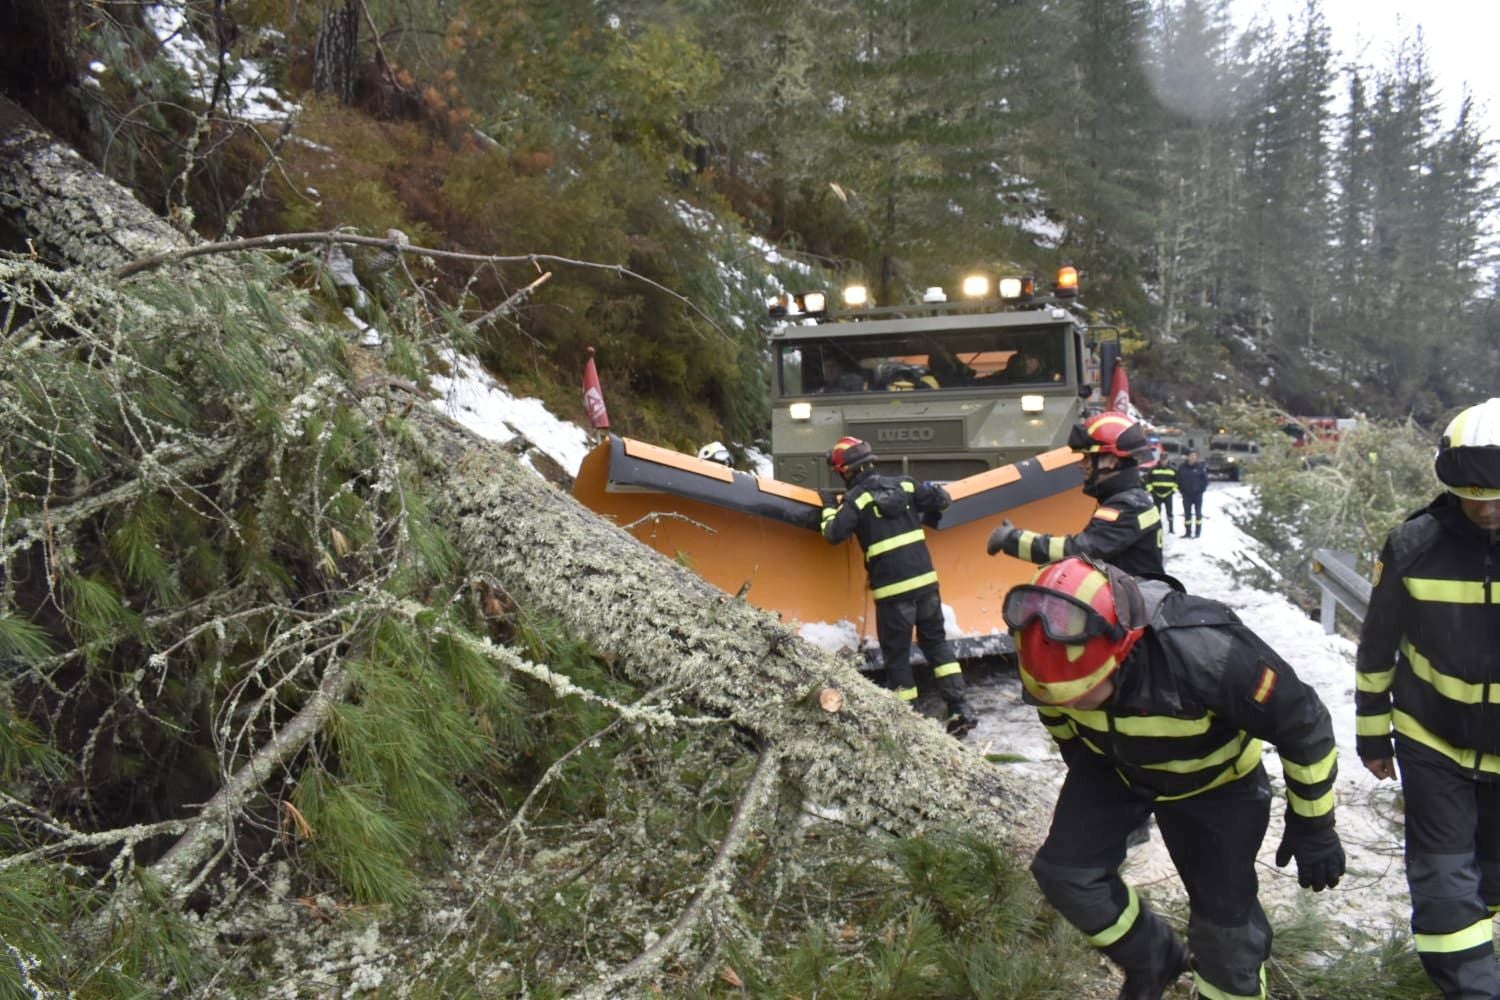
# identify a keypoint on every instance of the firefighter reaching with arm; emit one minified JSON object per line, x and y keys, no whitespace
{"x":1159,"y":702}
{"x":886,"y":514}
{"x":1125,"y":529}
{"x":1428,"y":675}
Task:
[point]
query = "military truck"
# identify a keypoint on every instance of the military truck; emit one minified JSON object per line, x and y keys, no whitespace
{"x":1228,"y":456}
{"x":978,"y":393}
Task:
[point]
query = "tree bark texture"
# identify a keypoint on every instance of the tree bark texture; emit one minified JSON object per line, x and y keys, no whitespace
{"x":874,"y":760}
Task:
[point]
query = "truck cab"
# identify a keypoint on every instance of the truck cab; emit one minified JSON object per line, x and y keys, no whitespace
{"x":940,"y":390}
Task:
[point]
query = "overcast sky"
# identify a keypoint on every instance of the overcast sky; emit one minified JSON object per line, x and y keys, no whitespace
{"x":1460,"y":35}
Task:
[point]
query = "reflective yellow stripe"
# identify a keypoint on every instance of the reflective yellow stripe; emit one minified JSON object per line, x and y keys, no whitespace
{"x":1472,"y":936}
{"x":903,"y":586}
{"x":1243,"y":766}
{"x":1161,"y":725}
{"x":863,"y":500}
{"x":1311,"y":774}
{"x":947,"y":669}
{"x":906,"y":694}
{"x":1023,"y":544}
{"x":1445,"y":591}
{"x":1412,"y":729}
{"x":1122,"y":924}
{"x":908,"y":487}
{"x":894,"y":542}
{"x":1375,"y":683}
{"x":1373,"y":725}
{"x":1208,"y":991}
{"x":1450,"y":687}
{"x":1055,"y":546}
{"x":1148,"y":518}
{"x":1320,"y":806}
{"x":828,"y":515}
{"x":1229,"y":751}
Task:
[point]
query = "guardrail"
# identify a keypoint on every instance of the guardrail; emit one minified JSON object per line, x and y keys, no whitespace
{"x":1342,"y":586}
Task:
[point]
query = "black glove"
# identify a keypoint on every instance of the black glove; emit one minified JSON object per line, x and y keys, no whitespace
{"x":932,"y":517}
{"x":1001,"y":536}
{"x":1319,"y":854}
{"x":830,"y":497}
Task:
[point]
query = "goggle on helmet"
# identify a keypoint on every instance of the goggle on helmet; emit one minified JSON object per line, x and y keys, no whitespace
{"x":1073,"y":625}
{"x":1468,"y":455}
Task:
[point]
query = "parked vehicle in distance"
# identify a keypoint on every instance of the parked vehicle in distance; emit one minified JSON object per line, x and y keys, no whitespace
{"x":1228,"y":456}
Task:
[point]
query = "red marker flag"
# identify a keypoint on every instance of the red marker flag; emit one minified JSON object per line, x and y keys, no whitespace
{"x":1119,"y":390}
{"x":593,"y":396}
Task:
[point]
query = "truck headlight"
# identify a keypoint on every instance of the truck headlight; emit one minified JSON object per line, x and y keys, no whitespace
{"x":1032,"y":404}
{"x":803,"y":411}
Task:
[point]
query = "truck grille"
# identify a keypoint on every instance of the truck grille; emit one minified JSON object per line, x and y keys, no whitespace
{"x":911,"y":435}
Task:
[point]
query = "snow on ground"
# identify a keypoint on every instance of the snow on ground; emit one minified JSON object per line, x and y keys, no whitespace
{"x":1372,"y":897}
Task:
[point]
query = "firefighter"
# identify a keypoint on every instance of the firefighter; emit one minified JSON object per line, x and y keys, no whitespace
{"x":1158,"y":702}
{"x":1125,"y":529}
{"x":1192,"y":481}
{"x":886,"y":514}
{"x":1161,"y":483}
{"x":1427,"y":670}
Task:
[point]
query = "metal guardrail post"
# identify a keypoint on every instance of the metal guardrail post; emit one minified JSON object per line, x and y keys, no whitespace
{"x":1341,"y":584}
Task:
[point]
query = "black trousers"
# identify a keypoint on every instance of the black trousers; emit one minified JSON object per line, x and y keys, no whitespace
{"x":1164,"y":505}
{"x":1212,"y":837}
{"x":894,"y":619}
{"x":1453,"y":872}
{"x":1192,"y":514}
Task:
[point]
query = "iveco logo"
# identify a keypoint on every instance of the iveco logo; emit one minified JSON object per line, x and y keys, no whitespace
{"x":886,"y":434}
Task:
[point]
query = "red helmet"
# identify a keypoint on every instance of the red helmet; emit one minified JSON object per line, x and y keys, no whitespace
{"x":848,"y":455}
{"x":1109,"y":433}
{"x":1073,"y":626}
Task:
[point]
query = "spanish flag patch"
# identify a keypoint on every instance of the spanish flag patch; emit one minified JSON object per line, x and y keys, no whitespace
{"x":1264,"y":686}
{"x":1107,"y":514}
{"x":1375,"y":576}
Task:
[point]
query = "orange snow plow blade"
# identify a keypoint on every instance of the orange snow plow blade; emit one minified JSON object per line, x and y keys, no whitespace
{"x":760,"y":537}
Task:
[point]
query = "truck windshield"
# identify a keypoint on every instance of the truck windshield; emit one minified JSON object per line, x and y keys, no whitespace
{"x":953,"y":359}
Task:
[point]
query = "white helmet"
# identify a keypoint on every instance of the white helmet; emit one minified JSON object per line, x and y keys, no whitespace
{"x":1468,"y":455}
{"x":715,"y":451}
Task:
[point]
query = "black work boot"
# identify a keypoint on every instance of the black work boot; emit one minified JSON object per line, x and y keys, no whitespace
{"x":961,"y":718}
{"x":1151,"y":985}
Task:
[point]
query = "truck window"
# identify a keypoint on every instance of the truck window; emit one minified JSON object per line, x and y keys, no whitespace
{"x":954,"y":359}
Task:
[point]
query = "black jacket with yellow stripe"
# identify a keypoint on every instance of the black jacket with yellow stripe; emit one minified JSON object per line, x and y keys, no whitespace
{"x":886,"y":513}
{"x":1428,"y":668}
{"x":1125,"y":531}
{"x":1194,"y":701}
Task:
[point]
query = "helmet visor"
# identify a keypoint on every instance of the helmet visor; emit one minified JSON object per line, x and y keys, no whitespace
{"x":1065,"y":619}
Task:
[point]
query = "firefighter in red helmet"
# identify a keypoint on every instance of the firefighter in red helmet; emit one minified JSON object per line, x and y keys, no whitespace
{"x":1125,"y":529}
{"x":886,"y":514}
{"x":1158,"y":702}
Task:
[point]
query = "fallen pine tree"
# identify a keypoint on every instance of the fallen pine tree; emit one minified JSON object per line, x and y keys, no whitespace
{"x":271,"y":619}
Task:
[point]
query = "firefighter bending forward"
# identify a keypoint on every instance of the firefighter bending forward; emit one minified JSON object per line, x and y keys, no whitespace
{"x":1427,"y":669}
{"x":1159,"y":702}
{"x":886,"y":514}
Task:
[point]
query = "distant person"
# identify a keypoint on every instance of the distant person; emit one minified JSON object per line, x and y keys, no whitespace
{"x":1024,"y":366}
{"x":1125,"y":529}
{"x":715,"y":451}
{"x":1158,"y":702}
{"x":886,"y":514}
{"x":1427,"y":671}
{"x":1161,"y":483}
{"x":1192,"y":481}
{"x":837,"y":378}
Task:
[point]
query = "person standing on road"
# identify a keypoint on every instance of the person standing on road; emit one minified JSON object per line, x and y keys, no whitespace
{"x":1125,"y":528}
{"x":1192,"y":481}
{"x":886,"y":514}
{"x":1158,"y":702}
{"x":1428,"y":670}
{"x":1161,"y":483}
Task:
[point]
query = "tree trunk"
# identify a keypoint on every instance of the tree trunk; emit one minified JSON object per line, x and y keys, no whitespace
{"x":874,"y":759}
